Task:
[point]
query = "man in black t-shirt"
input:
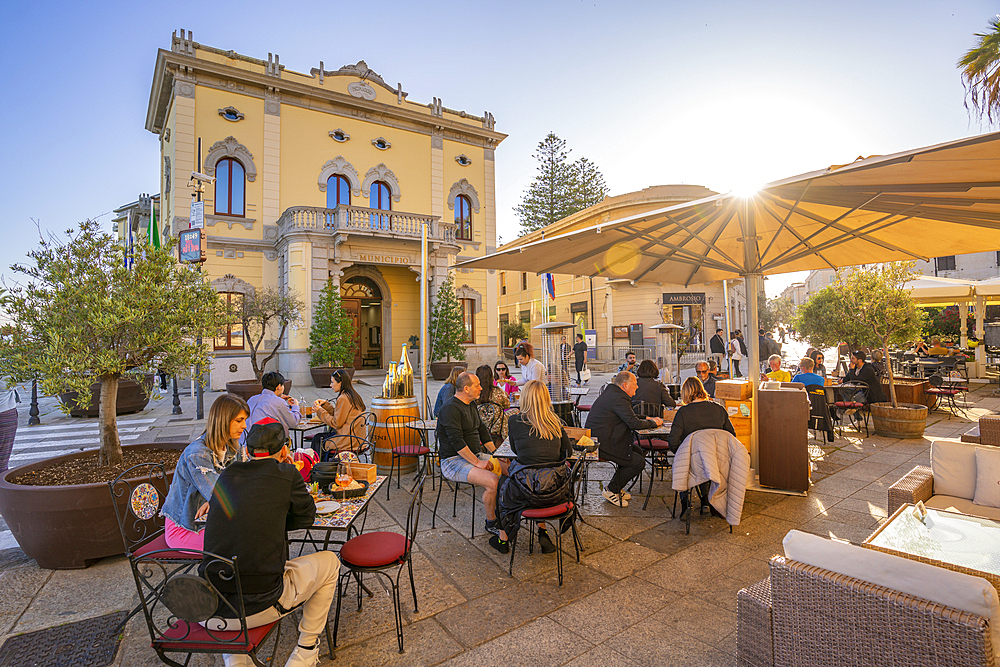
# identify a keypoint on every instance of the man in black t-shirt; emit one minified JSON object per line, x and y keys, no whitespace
{"x":253,"y":505}
{"x":580,"y":351}
{"x":465,"y":445}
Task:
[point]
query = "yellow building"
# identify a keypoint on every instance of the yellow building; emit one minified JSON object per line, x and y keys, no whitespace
{"x":325,"y":174}
{"x":620,"y":312}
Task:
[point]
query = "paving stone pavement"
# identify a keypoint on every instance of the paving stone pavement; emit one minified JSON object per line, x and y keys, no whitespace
{"x":643,"y":593}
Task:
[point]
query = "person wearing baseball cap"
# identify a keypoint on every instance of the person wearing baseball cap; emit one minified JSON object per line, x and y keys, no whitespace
{"x":253,"y":506}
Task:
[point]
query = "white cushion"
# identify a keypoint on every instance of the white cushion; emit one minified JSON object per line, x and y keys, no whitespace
{"x":954,"y":466}
{"x":962,"y":505}
{"x":987,"y":477}
{"x":954,"y":589}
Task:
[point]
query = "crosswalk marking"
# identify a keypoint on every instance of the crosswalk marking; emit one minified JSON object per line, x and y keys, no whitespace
{"x":39,"y":429}
{"x":68,"y":445}
{"x":32,"y":436}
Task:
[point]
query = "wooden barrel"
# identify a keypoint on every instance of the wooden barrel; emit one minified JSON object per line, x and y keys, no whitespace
{"x":383,"y":409}
{"x":906,"y":421}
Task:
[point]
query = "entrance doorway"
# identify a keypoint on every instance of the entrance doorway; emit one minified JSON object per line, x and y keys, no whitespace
{"x":365,"y":299}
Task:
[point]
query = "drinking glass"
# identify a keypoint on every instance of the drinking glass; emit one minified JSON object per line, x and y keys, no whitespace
{"x":344,"y":478}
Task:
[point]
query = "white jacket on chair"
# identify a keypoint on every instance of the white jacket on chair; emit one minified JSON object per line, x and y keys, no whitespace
{"x":717,"y":456}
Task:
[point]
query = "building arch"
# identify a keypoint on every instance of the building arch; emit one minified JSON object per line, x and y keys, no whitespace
{"x":230,"y":147}
{"x":373,"y":274}
{"x":341,"y":167}
{"x":463,"y":187}
{"x":380,"y":172}
{"x":230,"y":283}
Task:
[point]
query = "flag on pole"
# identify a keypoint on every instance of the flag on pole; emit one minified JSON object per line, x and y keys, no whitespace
{"x":154,"y":232}
{"x":550,"y":285}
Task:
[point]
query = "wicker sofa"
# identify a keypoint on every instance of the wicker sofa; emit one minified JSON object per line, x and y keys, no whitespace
{"x":949,"y":484}
{"x":806,"y":615}
{"x":985,"y":432}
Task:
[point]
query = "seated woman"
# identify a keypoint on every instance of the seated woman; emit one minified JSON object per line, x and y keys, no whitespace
{"x":503,"y":379}
{"x":341,"y":416}
{"x":697,"y":413}
{"x":491,"y":405}
{"x":818,"y":367}
{"x":447,"y":390}
{"x":651,"y":396}
{"x":538,"y":476}
{"x":198,"y":469}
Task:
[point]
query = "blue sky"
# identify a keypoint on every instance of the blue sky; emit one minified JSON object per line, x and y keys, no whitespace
{"x":723,"y":94}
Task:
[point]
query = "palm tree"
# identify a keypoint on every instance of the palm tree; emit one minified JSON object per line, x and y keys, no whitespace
{"x":981,"y":73}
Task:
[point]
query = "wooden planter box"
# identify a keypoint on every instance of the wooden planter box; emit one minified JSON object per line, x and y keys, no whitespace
{"x":910,"y":391}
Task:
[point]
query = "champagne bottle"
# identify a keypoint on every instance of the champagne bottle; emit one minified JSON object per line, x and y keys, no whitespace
{"x":385,"y":385}
{"x":407,"y":374}
{"x":393,"y":381}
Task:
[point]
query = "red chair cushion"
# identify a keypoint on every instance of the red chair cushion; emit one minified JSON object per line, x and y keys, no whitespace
{"x":160,"y":542}
{"x":411,"y":450}
{"x":655,"y":444}
{"x":194,"y":637}
{"x":851,"y":404}
{"x":374,"y":549}
{"x":546,"y":512}
{"x":943,"y":392}
{"x":583,"y":408}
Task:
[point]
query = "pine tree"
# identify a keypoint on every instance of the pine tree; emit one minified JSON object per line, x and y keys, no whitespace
{"x":331,"y":339}
{"x":590,"y":186}
{"x":447,"y":330}
{"x":561,"y":188}
{"x":550,"y":197}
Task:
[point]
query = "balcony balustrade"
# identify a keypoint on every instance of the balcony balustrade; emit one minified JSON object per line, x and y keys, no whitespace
{"x":366,"y":221}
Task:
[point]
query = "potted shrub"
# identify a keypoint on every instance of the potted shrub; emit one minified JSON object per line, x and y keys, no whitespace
{"x":260,"y":312}
{"x":413,"y":351}
{"x":447,"y":331}
{"x":331,"y":339}
{"x":79,"y":315}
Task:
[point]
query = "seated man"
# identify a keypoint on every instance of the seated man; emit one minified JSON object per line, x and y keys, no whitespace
{"x":937,"y":349}
{"x":776,"y":373}
{"x":272,"y":403}
{"x":806,"y":375}
{"x":611,"y":423}
{"x":629,"y":364}
{"x":702,"y":369}
{"x":465,"y":444}
{"x":253,"y":506}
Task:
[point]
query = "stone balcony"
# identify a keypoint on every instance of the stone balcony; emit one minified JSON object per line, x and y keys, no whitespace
{"x":355,"y":220}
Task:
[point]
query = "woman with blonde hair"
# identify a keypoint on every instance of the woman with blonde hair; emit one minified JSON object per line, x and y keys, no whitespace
{"x":447,"y":390}
{"x":538,"y":476}
{"x":197,"y":470}
{"x":698,"y":413}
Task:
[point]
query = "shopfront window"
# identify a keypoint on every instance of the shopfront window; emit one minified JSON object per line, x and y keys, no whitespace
{"x":691,"y":318}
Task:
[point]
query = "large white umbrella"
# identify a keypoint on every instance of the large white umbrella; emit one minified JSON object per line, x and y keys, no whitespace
{"x":918,"y":204}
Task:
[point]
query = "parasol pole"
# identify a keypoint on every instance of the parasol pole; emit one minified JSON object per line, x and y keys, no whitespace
{"x":424,"y":338}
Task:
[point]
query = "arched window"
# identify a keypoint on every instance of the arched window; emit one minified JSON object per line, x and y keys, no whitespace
{"x":338,"y":191}
{"x":463,"y":218}
{"x":230,"y":187}
{"x":379,"y":198}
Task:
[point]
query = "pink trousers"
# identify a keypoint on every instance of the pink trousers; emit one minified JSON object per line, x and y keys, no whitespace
{"x":179,"y":537}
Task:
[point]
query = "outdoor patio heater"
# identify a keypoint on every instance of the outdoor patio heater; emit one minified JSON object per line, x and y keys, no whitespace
{"x":556,"y":367}
{"x":671,"y":362}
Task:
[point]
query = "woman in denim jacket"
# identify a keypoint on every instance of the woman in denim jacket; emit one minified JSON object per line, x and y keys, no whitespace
{"x":199,"y":468}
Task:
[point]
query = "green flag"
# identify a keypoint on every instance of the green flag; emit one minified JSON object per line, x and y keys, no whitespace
{"x":154,"y":232}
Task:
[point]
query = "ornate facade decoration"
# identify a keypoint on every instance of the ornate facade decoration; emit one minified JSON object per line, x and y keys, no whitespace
{"x":340,"y":136}
{"x":272,"y":102}
{"x":463,"y":160}
{"x":339,"y":165}
{"x":230,"y":147}
{"x":361,"y":90}
{"x":380,"y":172}
{"x":230,"y":283}
{"x":463,"y":187}
{"x":466,"y":292}
{"x":231,"y":114}
{"x":166,"y":174}
{"x":381,"y":143}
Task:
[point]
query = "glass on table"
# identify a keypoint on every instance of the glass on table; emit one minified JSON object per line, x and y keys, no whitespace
{"x":344,"y":478}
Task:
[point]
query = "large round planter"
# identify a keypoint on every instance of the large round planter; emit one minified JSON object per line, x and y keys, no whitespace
{"x":131,"y":398}
{"x":441,"y":369}
{"x":321,"y":374}
{"x":907,"y":420}
{"x":65,"y":527}
{"x":246,"y":389}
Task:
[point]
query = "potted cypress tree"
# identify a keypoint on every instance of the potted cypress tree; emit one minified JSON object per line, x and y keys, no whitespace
{"x":447,"y":331}
{"x":82,"y":315}
{"x":331,"y":339}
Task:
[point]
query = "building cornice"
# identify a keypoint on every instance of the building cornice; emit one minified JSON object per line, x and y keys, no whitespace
{"x":169,"y":64}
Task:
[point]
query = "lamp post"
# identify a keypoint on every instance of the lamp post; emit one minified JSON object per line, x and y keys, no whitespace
{"x":177,"y":400}
{"x":33,"y":419}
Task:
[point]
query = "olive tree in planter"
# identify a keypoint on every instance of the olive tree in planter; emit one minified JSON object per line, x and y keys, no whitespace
{"x":332,"y":343}
{"x":877,"y":299}
{"x":80,"y":315}
{"x":825,"y":320}
{"x":447,"y":331}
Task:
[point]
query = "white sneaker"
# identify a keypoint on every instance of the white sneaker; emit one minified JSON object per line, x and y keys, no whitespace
{"x":626,"y":495}
{"x":304,"y":657}
{"x":240,"y":660}
{"x":614,"y":498}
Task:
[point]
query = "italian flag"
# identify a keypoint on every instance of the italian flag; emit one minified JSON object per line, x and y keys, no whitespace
{"x":154,"y":232}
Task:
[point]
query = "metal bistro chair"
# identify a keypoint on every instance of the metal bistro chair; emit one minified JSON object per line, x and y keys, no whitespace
{"x":183,"y":610}
{"x":378,"y":552}
{"x":364,"y":444}
{"x":399,"y":435}
{"x":944,"y":391}
{"x":492,"y":415}
{"x":454,"y":505}
{"x":558,"y":514}
{"x":861,"y":407}
{"x":656,"y":450}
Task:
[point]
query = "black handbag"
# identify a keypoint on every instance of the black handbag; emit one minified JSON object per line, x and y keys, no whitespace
{"x":324,"y":473}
